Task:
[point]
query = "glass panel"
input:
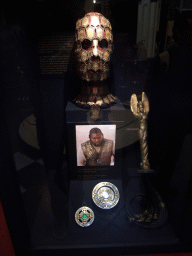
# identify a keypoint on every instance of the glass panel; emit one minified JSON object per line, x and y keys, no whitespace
{"x":100,"y":133}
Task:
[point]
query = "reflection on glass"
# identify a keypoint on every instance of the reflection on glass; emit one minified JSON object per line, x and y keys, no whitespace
{"x":39,"y":78}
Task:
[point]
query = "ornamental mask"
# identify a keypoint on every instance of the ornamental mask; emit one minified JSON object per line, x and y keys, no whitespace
{"x":94,"y":46}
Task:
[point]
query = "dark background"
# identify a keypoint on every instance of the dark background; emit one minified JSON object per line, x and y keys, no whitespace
{"x":39,"y":18}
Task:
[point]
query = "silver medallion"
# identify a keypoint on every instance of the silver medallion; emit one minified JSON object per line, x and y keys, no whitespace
{"x":105,"y":195}
{"x":84,"y":216}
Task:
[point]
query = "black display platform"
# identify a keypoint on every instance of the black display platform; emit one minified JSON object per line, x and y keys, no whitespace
{"x":111,"y":227}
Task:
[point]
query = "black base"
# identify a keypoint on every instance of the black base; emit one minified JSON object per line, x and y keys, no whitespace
{"x":111,"y":227}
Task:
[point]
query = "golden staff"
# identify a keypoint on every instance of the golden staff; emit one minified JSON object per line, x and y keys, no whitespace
{"x":140,"y":110}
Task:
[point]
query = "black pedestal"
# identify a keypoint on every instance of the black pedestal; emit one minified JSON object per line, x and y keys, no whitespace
{"x":111,"y":227}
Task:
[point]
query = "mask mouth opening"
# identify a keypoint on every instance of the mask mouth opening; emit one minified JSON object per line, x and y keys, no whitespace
{"x":95,"y":59}
{"x":98,"y":72}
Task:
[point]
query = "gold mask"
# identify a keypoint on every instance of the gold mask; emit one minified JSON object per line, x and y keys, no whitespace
{"x":94,"y":47}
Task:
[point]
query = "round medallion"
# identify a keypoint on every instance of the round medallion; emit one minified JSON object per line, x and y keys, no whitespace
{"x":105,"y":195}
{"x":84,"y":216}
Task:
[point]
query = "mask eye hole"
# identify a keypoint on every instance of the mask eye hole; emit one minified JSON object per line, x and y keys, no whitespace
{"x":103,"y":44}
{"x":86,"y":44}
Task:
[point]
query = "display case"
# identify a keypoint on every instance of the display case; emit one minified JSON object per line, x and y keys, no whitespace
{"x":96,"y":132}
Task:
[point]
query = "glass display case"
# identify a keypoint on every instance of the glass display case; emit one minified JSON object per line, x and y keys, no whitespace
{"x":96,"y":132}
